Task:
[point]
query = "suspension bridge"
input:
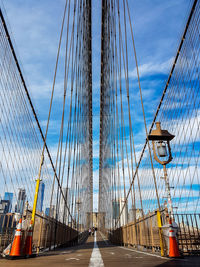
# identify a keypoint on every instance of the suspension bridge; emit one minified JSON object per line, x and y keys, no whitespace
{"x":148,"y":165}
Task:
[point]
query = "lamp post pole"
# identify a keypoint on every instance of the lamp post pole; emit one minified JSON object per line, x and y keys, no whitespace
{"x":167,"y":188}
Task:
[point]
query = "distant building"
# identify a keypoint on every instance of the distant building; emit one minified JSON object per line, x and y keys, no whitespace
{"x":117,"y":206}
{"x":139,"y":214}
{"x":4,"y":206}
{"x":21,"y":201}
{"x":115,"y":209}
{"x":53,"y":211}
{"x":9,"y":196}
{"x":47,"y":211}
{"x":7,"y":222}
{"x":40,"y":199}
{"x":132,"y":215}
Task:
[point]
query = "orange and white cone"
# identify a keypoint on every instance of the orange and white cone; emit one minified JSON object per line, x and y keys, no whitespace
{"x":29,"y":240}
{"x":173,"y":245}
{"x":16,"y":245}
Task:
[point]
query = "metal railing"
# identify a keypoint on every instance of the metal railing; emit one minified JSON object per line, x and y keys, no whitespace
{"x":189,"y":233}
{"x":144,"y":233}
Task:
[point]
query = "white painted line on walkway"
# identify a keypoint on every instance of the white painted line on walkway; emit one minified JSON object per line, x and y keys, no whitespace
{"x":65,"y":252}
{"x":47,"y":249}
{"x":96,"y":259}
{"x":128,"y":255}
{"x":72,"y":259}
{"x":146,"y":253}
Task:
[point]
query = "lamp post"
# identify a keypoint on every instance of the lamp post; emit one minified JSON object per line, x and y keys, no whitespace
{"x":162,"y":154}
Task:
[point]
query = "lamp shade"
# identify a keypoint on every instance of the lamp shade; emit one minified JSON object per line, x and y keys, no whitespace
{"x":159,"y":134}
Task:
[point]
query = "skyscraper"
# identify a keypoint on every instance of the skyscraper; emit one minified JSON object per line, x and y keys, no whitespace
{"x":21,"y":201}
{"x":115,"y":209}
{"x":40,"y":199}
{"x":117,"y":206}
{"x":9,"y":196}
{"x":4,"y":206}
{"x":47,"y":211}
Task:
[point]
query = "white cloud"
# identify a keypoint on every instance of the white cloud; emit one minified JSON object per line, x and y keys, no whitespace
{"x":152,"y":68}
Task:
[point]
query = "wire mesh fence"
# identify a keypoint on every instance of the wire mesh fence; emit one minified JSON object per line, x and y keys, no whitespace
{"x":144,"y":233}
{"x":65,"y":194}
{"x":130,"y":177}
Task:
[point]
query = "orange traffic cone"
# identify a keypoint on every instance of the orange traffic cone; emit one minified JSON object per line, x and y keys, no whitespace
{"x":16,"y":245}
{"x":173,"y":245}
{"x":29,"y":239}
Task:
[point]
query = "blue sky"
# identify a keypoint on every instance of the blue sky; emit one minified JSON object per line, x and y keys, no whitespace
{"x":35,"y":25}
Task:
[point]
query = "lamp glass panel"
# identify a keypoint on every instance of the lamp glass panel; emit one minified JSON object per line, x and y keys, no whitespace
{"x":162,"y":150}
